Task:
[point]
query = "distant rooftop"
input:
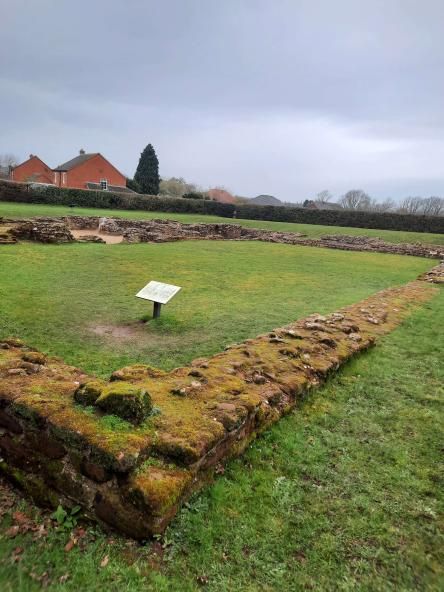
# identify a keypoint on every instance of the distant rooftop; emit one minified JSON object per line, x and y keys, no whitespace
{"x":70,"y":164}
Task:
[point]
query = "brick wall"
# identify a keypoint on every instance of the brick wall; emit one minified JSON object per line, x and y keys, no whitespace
{"x":93,"y":170}
{"x":33,"y":169}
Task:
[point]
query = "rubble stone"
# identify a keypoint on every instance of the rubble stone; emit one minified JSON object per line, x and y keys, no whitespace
{"x":57,"y":230}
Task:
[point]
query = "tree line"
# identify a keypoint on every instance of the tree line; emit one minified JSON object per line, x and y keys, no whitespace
{"x":357,"y":199}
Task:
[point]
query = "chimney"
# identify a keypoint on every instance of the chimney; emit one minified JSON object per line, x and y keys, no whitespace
{"x":81,"y":151}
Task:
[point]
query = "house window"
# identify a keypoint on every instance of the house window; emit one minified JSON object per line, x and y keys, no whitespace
{"x":104,"y":184}
{"x":63,"y":178}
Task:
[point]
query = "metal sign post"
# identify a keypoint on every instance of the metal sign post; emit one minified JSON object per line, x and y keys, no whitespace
{"x":156,"y":309}
{"x":159,"y":294}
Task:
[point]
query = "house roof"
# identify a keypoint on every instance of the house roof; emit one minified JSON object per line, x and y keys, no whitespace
{"x":70,"y":164}
{"x":31,"y":157}
{"x":221,"y":195}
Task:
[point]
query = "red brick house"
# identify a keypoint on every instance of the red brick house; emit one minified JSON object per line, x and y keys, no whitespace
{"x":33,"y":169}
{"x":221,"y":195}
{"x":85,"y":171}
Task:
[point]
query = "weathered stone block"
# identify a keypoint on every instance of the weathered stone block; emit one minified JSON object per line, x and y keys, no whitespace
{"x":126,"y":400}
{"x":89,"y":392}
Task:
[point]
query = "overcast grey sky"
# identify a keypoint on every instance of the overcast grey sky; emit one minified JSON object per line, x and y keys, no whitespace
{"x":286,"y":97}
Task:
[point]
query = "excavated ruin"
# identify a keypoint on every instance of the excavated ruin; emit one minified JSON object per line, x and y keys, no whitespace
{"x":95,"y":229}
{"x":434,"y":275}
{"x":131,"y":450}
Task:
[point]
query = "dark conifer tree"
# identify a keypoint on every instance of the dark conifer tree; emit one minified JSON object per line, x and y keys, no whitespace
{"x":147,"y":173}
{"x":131,"y":184}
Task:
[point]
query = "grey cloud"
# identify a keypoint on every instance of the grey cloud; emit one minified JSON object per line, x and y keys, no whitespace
{"x":281,"y":97}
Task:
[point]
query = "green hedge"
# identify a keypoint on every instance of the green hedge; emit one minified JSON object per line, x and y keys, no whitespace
{"x":351,"y":218}
{"x":21,"y":192}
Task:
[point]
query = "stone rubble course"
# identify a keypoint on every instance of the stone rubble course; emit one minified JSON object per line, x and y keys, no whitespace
{"x":132,"y":449}
{"x":434,"y":275}
{"x":57,"y":230}
{"x":43,"y":230}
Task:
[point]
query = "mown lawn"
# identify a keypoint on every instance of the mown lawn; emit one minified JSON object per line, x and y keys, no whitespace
{"x":346,"y":493}
{"x":311,"y":230}
{"x":78,"y":300}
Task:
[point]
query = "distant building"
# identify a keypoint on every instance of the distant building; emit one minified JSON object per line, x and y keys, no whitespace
{"x":85,"y":171}
{"x":221,"y":195}
{"x":321,"y":205}
{"x":266,"y":200}
{"x":33,"y":169}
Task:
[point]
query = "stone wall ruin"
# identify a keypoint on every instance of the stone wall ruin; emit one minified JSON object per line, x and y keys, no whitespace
{"x":58,"y":230}
{"x":132,"y":449}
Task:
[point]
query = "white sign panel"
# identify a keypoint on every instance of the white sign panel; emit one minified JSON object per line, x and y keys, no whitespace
{"x":158,"y":292}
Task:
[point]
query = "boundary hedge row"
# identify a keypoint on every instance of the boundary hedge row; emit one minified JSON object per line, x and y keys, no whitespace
{"x":351,"y":218}
{"x":21,"y":192}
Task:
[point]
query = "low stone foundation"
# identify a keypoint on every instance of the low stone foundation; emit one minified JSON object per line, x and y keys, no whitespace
{"x":130,"y":450}
{"x":434,"y":275}
{"x":58,"y":230}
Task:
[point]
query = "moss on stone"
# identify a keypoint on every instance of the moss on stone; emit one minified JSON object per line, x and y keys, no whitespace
{"x":34,"y":357}
{"x":156,"y":489}
{"x":137,"y":372}
{"x":89,"y":392}
{"x":31,"y":484}
{"x":126,"y":400}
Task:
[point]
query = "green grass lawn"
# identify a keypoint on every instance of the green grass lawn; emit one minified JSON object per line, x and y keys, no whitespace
{"x":77,"y":300}
{"x":346,"y":493}
{"x":311,"y":230}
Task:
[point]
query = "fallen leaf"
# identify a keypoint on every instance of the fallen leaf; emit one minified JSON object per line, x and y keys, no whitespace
{"x":104,"y":561}
{"x":20,"y":518}
{"x":40,"y":532}
{"x":70,"y":545}
{"x":63,"y":578}
{"x":16,"y":554}
{"x":12,"y":531}
{"x":79,"y":532}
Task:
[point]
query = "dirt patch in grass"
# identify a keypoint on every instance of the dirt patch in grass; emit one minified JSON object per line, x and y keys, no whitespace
{"x":119,"y":333}
{"x":110,"y":239}
{"x":136,"y":331}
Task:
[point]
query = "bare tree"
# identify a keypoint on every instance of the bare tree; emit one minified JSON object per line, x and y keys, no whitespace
{"x":176,"y":187}
{"x":355,"y":199}
{"x":410,"y":205}
{"x":386,"y":205}
{"x":6,"y":162}
{"x":323,"y":196}
{"x":432,"y":206}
